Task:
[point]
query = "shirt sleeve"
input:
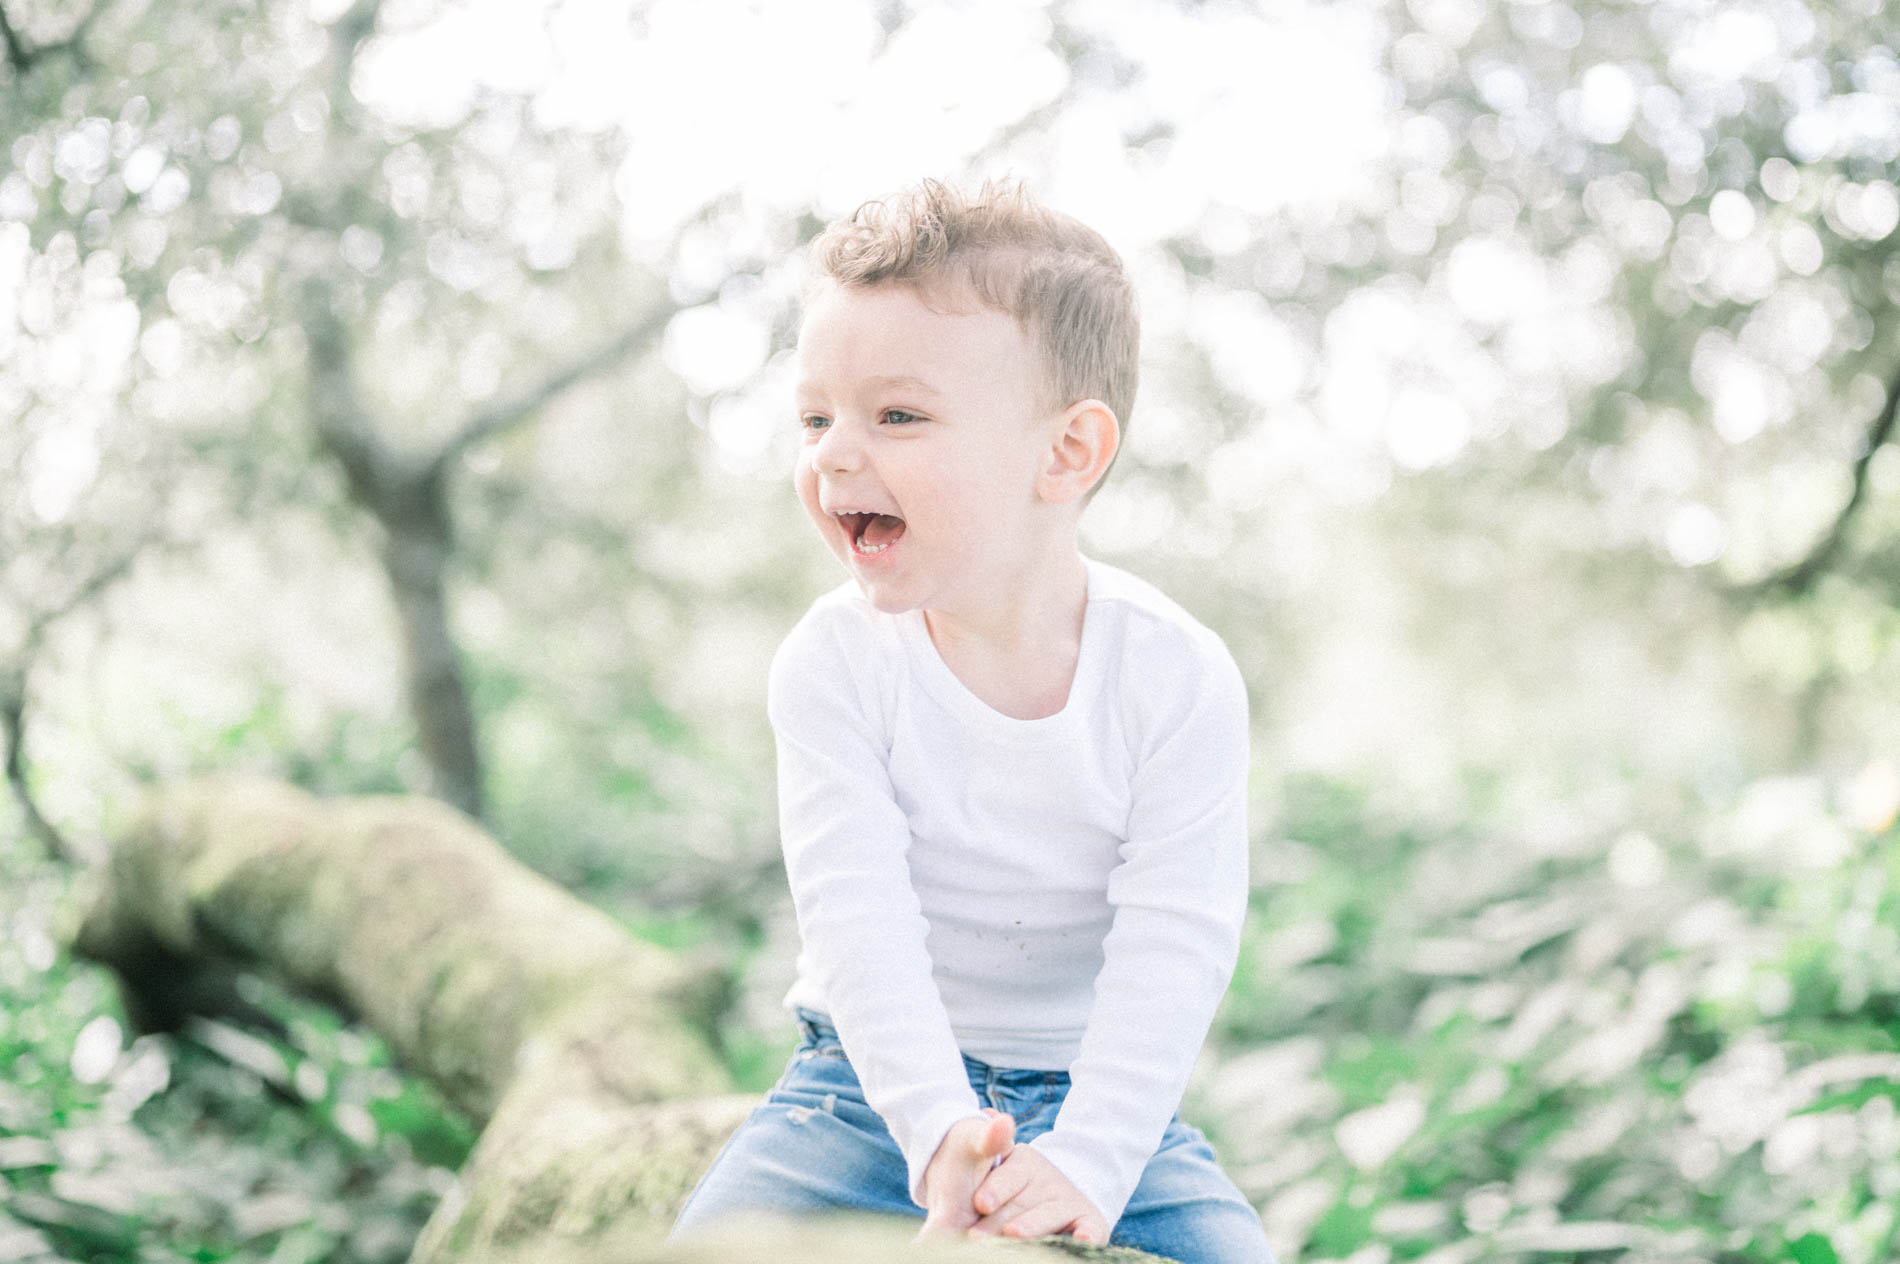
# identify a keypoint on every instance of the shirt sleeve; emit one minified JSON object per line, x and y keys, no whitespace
{"x":1179,"y":893}
{"x":845,"y":841}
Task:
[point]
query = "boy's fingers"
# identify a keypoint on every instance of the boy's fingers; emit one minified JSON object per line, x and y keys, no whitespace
{"x":1006,"y":1215}
{"x":994,"y":1134}
{"x":997,"y":1139}
{"x":999,"y":1187}
{"x":1002,"y":1214}
{"x":988,"y":1198}
{"x":1050,"y":1217}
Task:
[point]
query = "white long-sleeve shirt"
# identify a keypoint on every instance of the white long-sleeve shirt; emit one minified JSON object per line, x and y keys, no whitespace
{"x":1061,"y":893}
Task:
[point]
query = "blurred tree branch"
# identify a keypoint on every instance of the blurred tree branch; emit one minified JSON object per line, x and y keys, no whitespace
{"x":13,"y":694}
{"x":1798,"y":578}
{"x":13,"y":734}
{"x":348,"y":33}
{"x":17,"y":52}
{"x":523,"y":406}
{"x":407,"y":491}
{"x":22,"y":58}
{"x":407,"y":495}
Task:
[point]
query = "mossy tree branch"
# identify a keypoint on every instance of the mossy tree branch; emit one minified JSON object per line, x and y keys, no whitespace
{"x":566,"y":1041}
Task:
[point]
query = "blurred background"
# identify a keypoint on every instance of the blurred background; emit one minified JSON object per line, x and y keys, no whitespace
{"x":394,"y":397}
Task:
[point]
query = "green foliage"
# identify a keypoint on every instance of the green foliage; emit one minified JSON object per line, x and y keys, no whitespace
{"x":754,"y":1062}
{"x":346,"y":754}
{"x":207,"y":1145}
{"x":1812,"y":1248}
{"x":1625,"y":1052}
{"x":1628,"y":1051}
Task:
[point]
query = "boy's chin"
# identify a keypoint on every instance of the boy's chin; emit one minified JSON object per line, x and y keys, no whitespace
{"x":883,"y":593}
{"x":884,"y":598}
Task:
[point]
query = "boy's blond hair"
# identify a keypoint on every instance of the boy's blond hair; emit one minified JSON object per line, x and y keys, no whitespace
{"x":1057,"y":276}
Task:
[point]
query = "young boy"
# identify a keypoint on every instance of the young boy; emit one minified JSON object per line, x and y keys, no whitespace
{"x":1012,"y":780}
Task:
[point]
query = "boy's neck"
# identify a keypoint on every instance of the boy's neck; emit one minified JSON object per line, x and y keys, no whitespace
{"x":1018,"y":652}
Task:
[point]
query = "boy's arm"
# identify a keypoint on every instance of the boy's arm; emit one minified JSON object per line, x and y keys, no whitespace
{"x":1180,"y":894}
{"x":845,"y":840}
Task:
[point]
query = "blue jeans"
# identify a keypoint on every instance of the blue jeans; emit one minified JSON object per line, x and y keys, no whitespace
{"x":816,"y":1146}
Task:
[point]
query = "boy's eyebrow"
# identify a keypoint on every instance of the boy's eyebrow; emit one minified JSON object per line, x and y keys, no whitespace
{"x":904,"y":382}
{"x":807,"y":391}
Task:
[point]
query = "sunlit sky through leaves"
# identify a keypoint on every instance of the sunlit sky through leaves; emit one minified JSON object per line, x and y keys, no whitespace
{"x":806,"y":103}
{"x":809,"y":105}
{"x":1439,"y":296}
{"x":1314,"y":117}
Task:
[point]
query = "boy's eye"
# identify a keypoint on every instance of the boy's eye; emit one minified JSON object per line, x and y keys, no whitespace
{"x":813,"y":421}
{"x":898,"y":417}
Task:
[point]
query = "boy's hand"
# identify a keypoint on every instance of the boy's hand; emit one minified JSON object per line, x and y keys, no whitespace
{"x":1027,"y":1196}
{"x":963,"y":1159}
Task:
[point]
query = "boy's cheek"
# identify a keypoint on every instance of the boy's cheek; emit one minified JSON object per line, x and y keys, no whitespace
{"x":807,"y":488}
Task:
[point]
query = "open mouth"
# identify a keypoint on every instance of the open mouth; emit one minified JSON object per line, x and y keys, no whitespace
{"x":871,"y":533}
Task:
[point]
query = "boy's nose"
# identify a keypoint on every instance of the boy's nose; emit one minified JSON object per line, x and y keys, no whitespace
{"x":837,"y":449}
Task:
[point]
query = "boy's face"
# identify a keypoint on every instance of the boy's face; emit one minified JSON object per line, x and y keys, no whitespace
{"x":921,"y":443}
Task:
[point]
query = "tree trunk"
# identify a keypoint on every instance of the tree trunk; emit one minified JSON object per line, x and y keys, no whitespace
{"x":416,"y":557}
{"x":561,"y":1037}
{"x":408,"y":497}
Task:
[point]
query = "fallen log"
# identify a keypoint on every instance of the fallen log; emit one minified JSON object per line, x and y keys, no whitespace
{"x":564,"y":1040}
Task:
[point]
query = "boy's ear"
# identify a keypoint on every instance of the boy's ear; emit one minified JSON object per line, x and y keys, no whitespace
{"x":1083,"y":443}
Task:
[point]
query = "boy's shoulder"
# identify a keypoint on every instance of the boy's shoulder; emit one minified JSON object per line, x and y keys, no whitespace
{"x":1155,"y":621}
{"x":839,"y":632}
{"x":1167,"y":658}
{"x":844,"y":611}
